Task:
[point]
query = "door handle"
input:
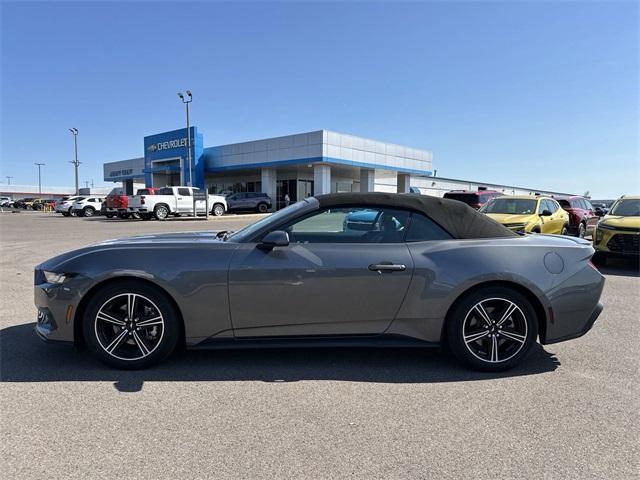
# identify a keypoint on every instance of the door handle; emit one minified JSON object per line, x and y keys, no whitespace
{"x":386,"y":267}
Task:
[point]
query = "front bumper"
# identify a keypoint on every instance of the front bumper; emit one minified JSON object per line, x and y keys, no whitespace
{"x":620,"y":243}
{"x":56,"y":305}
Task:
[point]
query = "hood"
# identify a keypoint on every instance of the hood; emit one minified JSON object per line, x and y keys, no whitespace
{"x":145,"y":241}
{"x":619,"y":221}
{"x":163,"y":238}
{"x":505,"y":218}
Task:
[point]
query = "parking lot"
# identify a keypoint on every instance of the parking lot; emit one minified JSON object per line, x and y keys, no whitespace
{"x":570,"y":411}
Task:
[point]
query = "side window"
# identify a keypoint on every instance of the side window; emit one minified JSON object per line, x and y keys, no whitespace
{"x":350,"y":225}
{"x":185,"y":192}
{"x":165,"y":191}
{"x":554,"y":206}
{"x":587,"y":205}
{"x":422,"y":229}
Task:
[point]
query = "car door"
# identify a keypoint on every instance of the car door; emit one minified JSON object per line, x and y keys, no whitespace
{"x":184,"y":200}
{"x":329,"y":280}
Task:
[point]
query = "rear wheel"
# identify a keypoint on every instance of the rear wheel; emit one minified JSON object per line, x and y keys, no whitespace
{"x":492,"y":329}
{"x":565,"y":230}
{"x":130,"y":325}
{"x":263,"y":207}
{"x":109,"y":215}
{"x":218,"y":209}
{"x":71,"y":212}
{"x":161,"y":212}
{"x":582,"y":230}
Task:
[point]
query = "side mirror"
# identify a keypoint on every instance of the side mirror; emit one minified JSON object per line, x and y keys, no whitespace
{"x":276,"y":238}
{"x":546,"y":213}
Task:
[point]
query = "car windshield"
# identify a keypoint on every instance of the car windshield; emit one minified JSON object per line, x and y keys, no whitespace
{"x":249,"y":230}
{"x":514,"y":206}
{"x":626,"y":208}
{"x":468,"y":198}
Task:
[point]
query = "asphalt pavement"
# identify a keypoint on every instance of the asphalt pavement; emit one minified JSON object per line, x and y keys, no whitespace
{"x":569,"y":412}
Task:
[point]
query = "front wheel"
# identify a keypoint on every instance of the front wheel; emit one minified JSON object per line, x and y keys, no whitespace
{"x":565,"y":230}
{"x":582,"y":231}
{"x":218,"y":210}
{"x":130,"y":325}
{"x":492,"y":329}
{"x":88,"y":211}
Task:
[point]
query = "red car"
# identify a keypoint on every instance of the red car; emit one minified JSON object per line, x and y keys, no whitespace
{"x":582,"y":217}
{"x":473,"y":199}
{"x":117,"y":202}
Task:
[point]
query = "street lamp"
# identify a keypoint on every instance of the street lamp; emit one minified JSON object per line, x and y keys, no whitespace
{"x":75,"y":162}
{"x":39,"y":176}
{"x":187,"y":102}
{"x":9,"y":177}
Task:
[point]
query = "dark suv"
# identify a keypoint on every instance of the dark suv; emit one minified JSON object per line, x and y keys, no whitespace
{"x":473,"y":199}
{"x":582,"y":216}
{"x":260,"y":202}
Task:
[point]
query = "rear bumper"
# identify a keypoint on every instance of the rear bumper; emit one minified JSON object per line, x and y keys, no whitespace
{"x":574,"y":306}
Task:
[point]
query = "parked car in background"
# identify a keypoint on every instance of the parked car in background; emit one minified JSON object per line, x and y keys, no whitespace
{"x":65,"y":205}
{"x":174,"y":201}
{"x":87,"y":206}
{"x":249,"y":201}
{"x":473,"y":199}
{"x":618,"y":232}
{"x":4,"y":201}
{"x":44,"y":204}
{"x":528,"y":214}
{"x":25,"y":203}
{"x":117,"y":203}
{"x":582,"y":217}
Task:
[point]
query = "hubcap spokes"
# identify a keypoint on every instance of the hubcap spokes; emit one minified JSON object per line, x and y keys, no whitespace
{"x":129,"y":326}
{"x":495,"y":330}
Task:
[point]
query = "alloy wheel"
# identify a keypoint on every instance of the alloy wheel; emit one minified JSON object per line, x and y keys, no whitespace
{"x":218,"y":210}
{"x":495,"y":330}
{"x":129,"y":326}
{"x":162,"y":212}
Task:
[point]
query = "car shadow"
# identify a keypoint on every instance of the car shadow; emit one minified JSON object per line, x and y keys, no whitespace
{"x":25,"y":358}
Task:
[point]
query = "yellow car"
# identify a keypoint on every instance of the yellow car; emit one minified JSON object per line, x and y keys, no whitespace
{"x":617,"y":234}
{"x":528,"y":214}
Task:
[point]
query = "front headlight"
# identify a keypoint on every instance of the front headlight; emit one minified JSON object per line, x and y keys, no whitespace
{"x":599,"y":235}
{"x":53,"y":277}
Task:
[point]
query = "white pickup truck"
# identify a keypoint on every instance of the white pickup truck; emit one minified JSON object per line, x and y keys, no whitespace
{"x":174,"y":201}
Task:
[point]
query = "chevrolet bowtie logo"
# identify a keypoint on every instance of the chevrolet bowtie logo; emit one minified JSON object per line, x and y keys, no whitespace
{"x":153,"y":147}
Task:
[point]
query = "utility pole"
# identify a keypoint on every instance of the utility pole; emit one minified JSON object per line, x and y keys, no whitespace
{"x":39,"y":176}
{"x":75,"y":162}
{"x":9,"y":177}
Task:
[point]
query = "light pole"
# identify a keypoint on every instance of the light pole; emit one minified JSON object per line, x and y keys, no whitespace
{"x":39,"y":176}
{"x":9,"y":179}
{"x":187,"y":102}
{"x":75,"y":162}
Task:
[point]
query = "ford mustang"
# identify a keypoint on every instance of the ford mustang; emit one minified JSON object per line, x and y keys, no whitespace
{"x":354,"y":269}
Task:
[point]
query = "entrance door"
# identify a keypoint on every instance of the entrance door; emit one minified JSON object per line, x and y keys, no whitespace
{"x":325,"y":282}
{"x":305,"y":188}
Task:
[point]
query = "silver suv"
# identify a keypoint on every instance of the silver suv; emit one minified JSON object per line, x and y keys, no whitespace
{"x":260,"y":202}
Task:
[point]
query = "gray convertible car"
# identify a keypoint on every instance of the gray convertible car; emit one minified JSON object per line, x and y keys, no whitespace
{"x":370,"y":269}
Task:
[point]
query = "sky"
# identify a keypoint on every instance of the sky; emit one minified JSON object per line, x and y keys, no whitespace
{"x":534,"y":94}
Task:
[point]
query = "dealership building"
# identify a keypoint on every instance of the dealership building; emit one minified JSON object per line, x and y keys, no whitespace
{"x":299,"y":165}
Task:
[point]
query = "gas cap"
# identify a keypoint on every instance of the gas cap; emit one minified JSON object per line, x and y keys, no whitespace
{"x":553,"y":262}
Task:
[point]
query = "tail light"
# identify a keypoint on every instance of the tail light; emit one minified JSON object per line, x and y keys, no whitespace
{"x":142,"y":199}
{"x":591,"y":264}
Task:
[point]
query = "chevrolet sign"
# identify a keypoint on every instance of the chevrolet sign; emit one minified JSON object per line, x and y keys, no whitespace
{"x":182,"y":142}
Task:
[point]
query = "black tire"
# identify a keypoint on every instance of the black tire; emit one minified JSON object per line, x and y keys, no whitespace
{"x":535,"y":230}
{"x":263,"y":207}
{"x":109,"y":215}
{"x":88,"y":212}
{"x":159,"y":339}
{"x":72,"y":213}
{"x":565,"y":230}
{"x":218,"y":209}
{"x":465,"y":320}
{"x":582,"y":230}
{"x":161,"y":212}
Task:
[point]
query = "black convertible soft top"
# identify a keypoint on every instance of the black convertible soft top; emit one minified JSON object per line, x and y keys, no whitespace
{"x":457,"y":218}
